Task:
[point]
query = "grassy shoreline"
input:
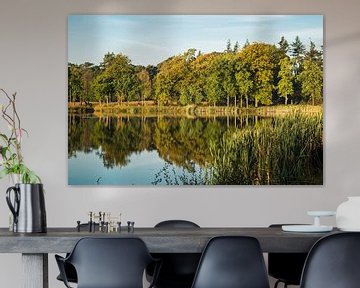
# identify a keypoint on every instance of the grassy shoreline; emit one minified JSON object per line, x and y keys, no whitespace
{"x":136,"y":109}
{"x":287,"y":150}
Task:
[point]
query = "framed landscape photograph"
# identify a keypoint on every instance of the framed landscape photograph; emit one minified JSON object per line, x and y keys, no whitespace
{"x":195,"y":100}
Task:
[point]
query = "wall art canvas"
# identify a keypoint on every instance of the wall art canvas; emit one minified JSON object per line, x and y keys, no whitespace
{"x":195,"y":100}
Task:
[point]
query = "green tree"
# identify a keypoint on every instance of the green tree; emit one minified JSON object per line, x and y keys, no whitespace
{"x":297,"y":48}
{"x":126,"y":83}
{"x":221,"y":82}
{"x":201,"y":70}
{"x":117,"y":80}
{"x":283,"y":45}
{"x":103,"y":87}
{"x":244,"y":81}
{"x":168,"y":80}
{"x":189,"y":88}
{"x":297,"y":52}
{"x":312,"y":81}
{"x":171,"y":79}
{"x":87,"y":78}
{"x":236,"y":47}
{"x":247,"y":43}
{"x":189,"y":56}
{"x":107,"y":60}
{"x":213,"y":89}
{"x":152,"y":70}
{"x":229,"y":80}
{"x":145,"y":84}
{"x":314,"y":54}
{"x":191,"y":91}
{"x":228,"y":46}
{"x":285,"y":85}
{"x":262,"y":60}
{"x":75,"y":89}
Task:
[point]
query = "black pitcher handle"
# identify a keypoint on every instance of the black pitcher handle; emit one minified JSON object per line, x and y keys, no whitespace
{"x":13,"y":208}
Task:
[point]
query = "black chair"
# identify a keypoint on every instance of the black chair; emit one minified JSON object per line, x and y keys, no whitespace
{"x":69,"y":269}
{"x":178,"y":269}
{"x":286,"y":267}
{"x":232,"y":262}
{"x":108,"y":263}
{"x":333,"y":262}
{"x":176,"y":224}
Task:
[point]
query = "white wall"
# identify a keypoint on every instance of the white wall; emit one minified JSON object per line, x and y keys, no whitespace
{"x":33,"y":62}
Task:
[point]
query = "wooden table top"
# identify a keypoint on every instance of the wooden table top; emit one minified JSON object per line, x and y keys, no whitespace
{"x":158,"y":240}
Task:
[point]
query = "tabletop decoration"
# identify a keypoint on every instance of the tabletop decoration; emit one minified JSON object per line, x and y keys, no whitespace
{"x":348,"y":214}
{"x":315,"y":227}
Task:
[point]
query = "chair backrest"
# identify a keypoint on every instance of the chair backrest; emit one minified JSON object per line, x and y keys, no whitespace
{"x":178,"y":269}
{"x":176,"y":224}
{"x":333,"y":262}
{"x":232,"y":262}
{"x":110,"y":262}
{"x":286,"y":267}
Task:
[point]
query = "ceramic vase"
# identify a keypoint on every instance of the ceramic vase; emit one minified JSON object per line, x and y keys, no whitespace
{"x":348,"y":215}
{"x":27,"y":204}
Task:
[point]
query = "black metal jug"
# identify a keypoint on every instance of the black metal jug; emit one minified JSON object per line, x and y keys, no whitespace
{"x":28,"y":208}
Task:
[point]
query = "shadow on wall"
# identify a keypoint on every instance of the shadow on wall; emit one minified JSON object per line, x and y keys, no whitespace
{"x":344,"y":39}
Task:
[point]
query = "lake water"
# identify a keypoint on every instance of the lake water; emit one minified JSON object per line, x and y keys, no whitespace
{"x":146,"y":150}
{"x":131,"y":151}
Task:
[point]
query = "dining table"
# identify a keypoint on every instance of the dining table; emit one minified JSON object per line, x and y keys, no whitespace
{"x":35,"y":247}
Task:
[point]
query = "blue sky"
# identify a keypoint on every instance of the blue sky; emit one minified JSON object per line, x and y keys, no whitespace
{"x":150,"y":39}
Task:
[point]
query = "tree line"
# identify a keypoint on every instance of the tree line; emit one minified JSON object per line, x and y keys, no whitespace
{"x":255,"y":74}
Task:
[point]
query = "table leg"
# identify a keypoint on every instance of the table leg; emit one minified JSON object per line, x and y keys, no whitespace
{"x":35,"y":270}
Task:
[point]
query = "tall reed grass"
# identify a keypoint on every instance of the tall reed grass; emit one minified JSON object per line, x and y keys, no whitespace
{"x":276,"y":151}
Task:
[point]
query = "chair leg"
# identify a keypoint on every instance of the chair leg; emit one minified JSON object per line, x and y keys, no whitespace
{"x":277,"y":283}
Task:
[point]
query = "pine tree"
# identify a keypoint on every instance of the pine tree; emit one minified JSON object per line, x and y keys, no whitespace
{"x":283,"y":45}
{"x":297,"y":52}
{"x":228,"y":46}
{"x":247,"y":43}
{"x":297,"y":48}
{"x":313,"y":54}
{"x":236,"y":47}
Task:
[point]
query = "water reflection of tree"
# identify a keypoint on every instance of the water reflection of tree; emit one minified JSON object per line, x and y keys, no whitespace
{"x":249,"y":151}
{"x":119,"y":139}
{"x":179,"y":141}
{"x":79,"y":135}
{"x":182,"y":141}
